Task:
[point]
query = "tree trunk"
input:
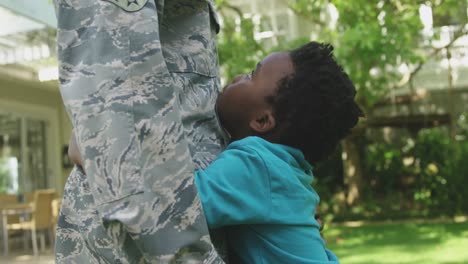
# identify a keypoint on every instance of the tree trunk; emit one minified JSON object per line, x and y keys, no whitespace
{"x":352,"y":169}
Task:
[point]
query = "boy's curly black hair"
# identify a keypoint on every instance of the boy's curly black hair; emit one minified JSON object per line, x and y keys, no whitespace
{"x":315,"y":105}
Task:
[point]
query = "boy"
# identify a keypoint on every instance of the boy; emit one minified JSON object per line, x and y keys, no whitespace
{"x":289,"y":113}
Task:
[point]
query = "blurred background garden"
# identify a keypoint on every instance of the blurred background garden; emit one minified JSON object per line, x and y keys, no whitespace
{"x":394,"y":192}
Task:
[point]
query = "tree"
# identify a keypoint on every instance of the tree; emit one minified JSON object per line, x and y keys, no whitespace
{"x":239,"y":51}
{"x":373,"y":38}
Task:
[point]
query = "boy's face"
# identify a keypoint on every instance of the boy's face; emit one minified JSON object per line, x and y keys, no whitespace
{"x":244,"y":98}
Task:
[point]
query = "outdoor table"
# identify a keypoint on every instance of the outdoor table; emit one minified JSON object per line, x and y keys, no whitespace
{"x":7,"y":210}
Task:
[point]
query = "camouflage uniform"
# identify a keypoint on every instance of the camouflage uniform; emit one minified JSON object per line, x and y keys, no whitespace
{"x":139,"y":80}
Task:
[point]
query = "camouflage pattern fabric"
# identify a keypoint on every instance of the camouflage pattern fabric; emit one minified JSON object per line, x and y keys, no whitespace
{"x":139,"y":80}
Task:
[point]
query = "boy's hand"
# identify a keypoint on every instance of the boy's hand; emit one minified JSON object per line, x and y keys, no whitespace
{"x":73,"y":151}
{"x":320,"y":222}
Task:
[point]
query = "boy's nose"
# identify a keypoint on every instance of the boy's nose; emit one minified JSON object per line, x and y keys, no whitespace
{"x":237,"y":78}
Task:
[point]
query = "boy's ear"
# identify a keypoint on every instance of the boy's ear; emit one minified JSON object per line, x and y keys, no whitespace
{"x":263,"y":122}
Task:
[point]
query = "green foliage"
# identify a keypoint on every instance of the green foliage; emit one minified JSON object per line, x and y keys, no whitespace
{"x":449,"y":12}
{"x":239,"y":52}
{"x":462,"y":124}
{"x":383,"y":164}
{"x":5,"y":180}
{"x":403,"y":243}
{"x":425,"y":175}
{"x":371,"y":38}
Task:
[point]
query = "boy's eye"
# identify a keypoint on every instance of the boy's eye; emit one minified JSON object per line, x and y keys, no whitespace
{"x":250,"y":75}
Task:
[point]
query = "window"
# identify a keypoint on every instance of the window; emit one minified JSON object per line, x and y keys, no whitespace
{"x":23,"y":164}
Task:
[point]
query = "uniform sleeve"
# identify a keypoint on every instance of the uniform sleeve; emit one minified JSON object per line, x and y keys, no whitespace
{"x":122,"y":102}
{"x":235,"y":189}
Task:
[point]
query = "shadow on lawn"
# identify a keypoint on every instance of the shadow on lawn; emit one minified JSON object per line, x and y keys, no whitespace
{"x":412,"y":238}
{"x":394,"y":243}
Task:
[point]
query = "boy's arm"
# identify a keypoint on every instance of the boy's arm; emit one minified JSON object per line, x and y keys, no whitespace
{"x":73,"y":151}
{"x":235,"y":189}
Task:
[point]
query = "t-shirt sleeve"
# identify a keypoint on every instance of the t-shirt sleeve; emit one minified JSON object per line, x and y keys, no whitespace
{"x":235,"y":188}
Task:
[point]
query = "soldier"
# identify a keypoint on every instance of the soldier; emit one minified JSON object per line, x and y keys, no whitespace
{"x":139,"y":80}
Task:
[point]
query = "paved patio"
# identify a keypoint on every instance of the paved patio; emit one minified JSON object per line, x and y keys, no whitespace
{"x":18,"y":254}
{"x":27,"y":258}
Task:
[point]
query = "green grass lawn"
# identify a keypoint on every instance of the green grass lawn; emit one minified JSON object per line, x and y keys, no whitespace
{"x":443,"y":243}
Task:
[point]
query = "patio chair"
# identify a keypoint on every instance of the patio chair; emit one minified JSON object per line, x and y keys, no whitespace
{"x":56,"y":204}
{"x":9,"y":199}
{"x":41,"y":218}
{"x":6,"y":198}
{"x":28,"y":197}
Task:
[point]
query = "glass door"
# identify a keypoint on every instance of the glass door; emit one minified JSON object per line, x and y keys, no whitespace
{"x":36,"y":174}
{"x":10,"y":153}
{"x":23,"y":158}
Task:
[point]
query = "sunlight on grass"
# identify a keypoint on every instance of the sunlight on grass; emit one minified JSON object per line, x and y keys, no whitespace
{"x":400,"y":243}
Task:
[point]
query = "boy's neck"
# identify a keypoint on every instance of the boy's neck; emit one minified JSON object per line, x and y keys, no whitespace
{"x":271,"y":136}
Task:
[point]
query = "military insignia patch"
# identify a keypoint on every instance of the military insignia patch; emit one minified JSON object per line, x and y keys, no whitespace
{"x":129,"y":5}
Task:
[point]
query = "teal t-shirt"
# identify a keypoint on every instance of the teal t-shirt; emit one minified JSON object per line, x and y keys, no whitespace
{"x":261,"y":194}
